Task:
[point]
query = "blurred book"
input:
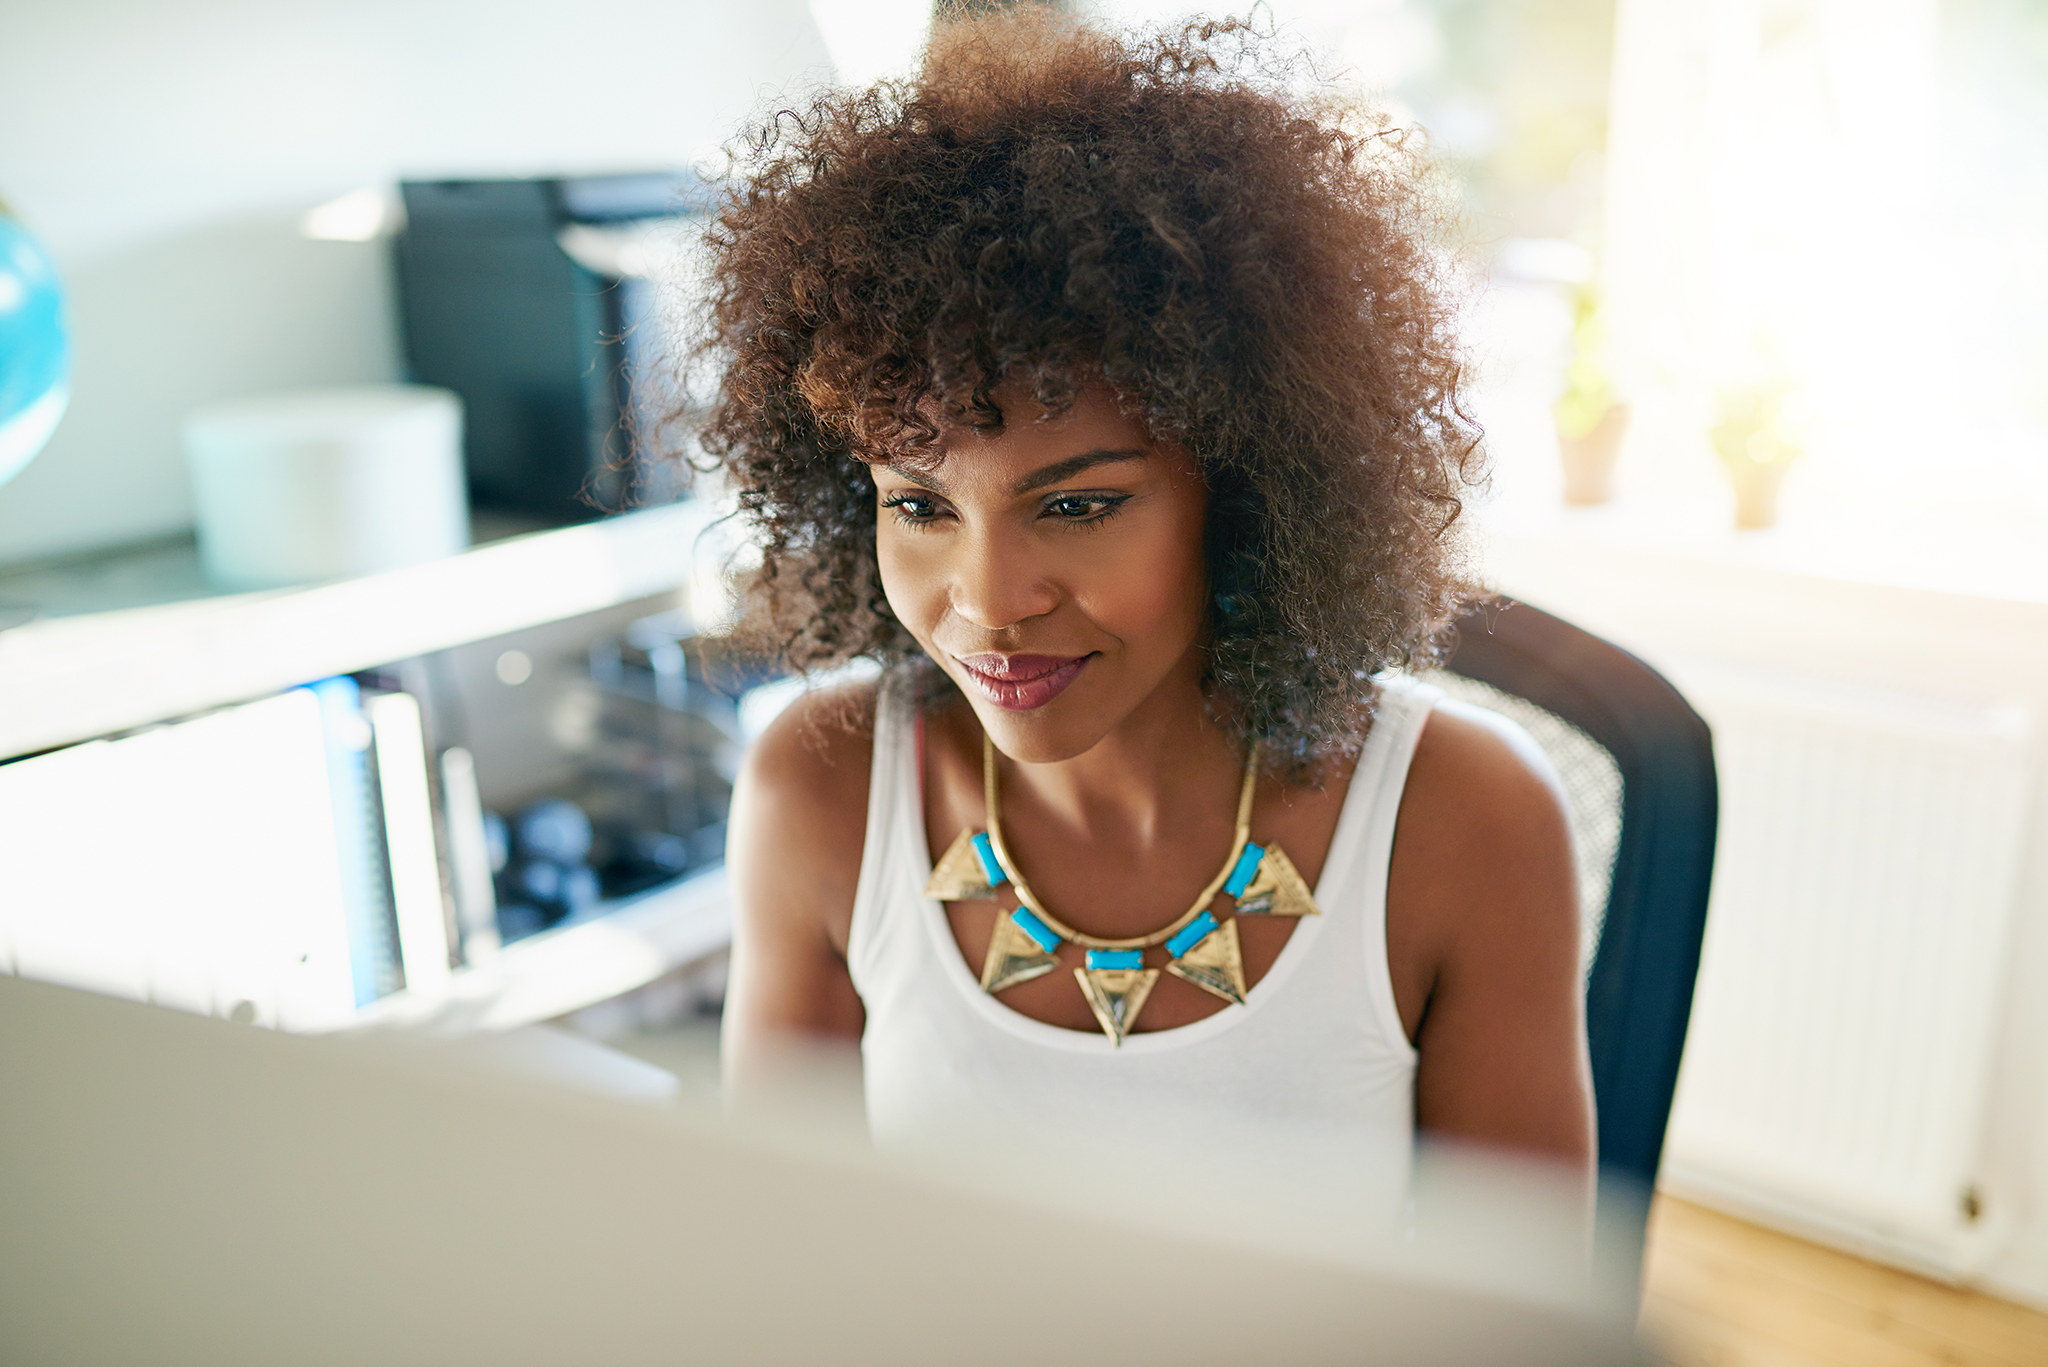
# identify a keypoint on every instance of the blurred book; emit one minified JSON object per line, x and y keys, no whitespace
{"x":419,"y":898}
{"x":229,"y":864}
{"x":365,"y":880}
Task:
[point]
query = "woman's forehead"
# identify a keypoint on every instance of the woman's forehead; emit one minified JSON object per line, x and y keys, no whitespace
{"x":1093,"y":417}
{"x":1082,"y":446}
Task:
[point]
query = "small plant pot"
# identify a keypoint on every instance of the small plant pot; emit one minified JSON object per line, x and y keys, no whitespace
{"x":1756,"y":492}
{"x":1589,"y":460}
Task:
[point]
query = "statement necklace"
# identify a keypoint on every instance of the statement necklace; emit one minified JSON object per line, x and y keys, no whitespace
{"x":1260,"y":879}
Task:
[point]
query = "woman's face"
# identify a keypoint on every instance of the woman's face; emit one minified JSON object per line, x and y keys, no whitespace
{"x":1053,"y":569}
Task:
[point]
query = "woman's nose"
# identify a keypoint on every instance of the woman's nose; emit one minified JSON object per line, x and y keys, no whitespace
{"x":999,"y":583}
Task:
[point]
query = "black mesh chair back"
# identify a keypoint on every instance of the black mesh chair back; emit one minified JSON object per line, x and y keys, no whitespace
{"x":1638,"y":767}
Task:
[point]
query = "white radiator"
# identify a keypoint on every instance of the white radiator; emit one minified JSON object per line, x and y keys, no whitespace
{"x":1837,"y":1068}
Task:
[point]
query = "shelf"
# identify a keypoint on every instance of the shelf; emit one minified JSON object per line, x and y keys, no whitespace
{"x":68,"y":679}
{"x":563,"y":970}
{"x":158,"y":572}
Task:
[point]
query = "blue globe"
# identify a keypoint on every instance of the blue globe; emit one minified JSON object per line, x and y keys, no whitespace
{"x":35,"y":348}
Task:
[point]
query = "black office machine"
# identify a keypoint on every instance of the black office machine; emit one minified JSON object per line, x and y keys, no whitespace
{"x":531,"y":300}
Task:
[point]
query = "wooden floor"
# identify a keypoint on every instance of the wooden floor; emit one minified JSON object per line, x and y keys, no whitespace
{"x":1720,"y":1292}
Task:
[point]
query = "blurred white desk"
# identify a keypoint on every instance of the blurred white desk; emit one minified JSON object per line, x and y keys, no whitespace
{"x":179,"y":1189}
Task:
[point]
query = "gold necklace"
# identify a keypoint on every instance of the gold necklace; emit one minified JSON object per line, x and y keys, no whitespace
{"x":1261,"y":881}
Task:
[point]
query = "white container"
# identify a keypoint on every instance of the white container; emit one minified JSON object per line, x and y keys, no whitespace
{"x":319,"y":484}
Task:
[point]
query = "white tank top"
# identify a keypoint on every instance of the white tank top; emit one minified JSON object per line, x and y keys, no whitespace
{"x":1314,"y":1062}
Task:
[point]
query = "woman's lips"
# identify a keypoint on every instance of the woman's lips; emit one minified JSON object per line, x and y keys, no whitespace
{"x":1021,"y":682}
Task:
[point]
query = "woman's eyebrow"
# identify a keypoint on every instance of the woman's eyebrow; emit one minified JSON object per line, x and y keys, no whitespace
{"x":1062,"y":470}
{"x":923,"y":479}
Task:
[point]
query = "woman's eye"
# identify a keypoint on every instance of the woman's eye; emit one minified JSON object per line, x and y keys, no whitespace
{"x":911,"y":507}
{"x":1082,"y":507}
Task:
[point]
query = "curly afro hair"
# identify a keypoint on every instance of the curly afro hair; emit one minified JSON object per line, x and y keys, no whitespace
{"x":1251,"y":271}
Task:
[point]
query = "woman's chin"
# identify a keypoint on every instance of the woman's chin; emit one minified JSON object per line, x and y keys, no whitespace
{"x":1044,"y":735}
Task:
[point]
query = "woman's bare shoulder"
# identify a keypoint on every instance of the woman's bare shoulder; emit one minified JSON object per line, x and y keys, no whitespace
{"x":1498,"y":775}
{"x":799,"y":820}
{"x":1485,"y":830}
{"x":808,"y":772}
{"x":1483,"y":939}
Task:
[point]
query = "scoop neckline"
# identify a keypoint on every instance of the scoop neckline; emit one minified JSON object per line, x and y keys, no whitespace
{"x":1336,"y":869}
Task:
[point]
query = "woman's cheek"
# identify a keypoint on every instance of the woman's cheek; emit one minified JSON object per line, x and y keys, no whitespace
{"x":1152,"y":586}
{"x":907,"y":585}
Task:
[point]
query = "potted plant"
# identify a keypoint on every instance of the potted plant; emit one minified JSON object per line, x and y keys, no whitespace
{"x":1590,"y":419}
{"x":1756,"y":443}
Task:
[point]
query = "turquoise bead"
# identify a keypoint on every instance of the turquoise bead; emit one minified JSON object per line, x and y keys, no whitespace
{"x":1247,"y":867}
{"x":1191,"y":935}
{"x":991,"y":867}
{"x":1036,"y":929}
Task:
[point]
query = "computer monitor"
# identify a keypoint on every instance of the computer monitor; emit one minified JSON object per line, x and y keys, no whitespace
{"x":179,"y":1189}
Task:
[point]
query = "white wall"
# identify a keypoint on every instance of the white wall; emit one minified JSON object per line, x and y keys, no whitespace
{"x":165,"y":150}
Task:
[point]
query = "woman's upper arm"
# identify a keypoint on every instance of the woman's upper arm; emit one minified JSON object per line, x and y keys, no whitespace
{"x":1483,"y":898}
{"x":799,"y":818}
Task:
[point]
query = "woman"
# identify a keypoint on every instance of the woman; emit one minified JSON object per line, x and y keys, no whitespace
{"x":1105,"y":393}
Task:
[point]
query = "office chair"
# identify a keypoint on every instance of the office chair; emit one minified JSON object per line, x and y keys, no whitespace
{"x":1638,"y":767}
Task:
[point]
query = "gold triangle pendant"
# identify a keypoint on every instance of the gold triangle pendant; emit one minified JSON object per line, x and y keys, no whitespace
{"x":1278,"y":890}
{"x":959,"y":875}
{"x":1116,"y":995}
{"x":1013,"y":957}
{"x":1215,"y":965}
